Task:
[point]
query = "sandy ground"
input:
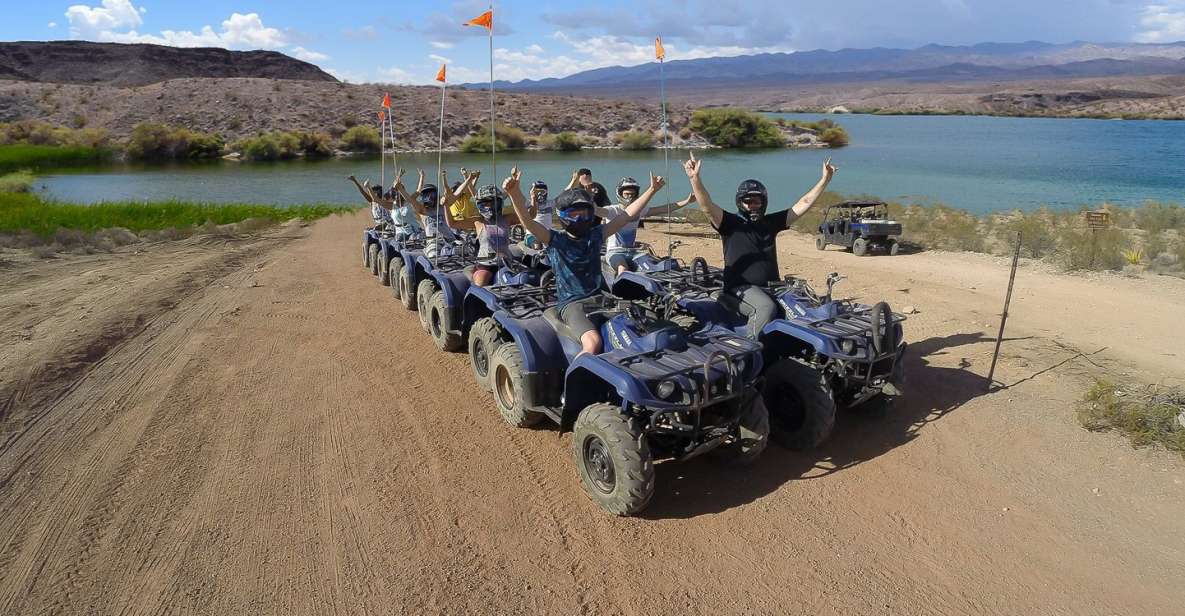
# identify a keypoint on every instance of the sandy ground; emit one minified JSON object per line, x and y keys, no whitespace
{"x":248,"y":426}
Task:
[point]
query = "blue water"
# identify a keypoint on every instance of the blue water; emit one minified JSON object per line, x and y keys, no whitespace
{"x":978,"y":163}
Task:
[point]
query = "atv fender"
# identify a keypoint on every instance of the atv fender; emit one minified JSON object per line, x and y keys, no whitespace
{"x":783,"y":338}
{"x":543,"y":358}
{"x":591,"y":379}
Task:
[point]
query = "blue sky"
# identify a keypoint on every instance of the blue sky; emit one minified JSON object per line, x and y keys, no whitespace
{"x":405,"y":41}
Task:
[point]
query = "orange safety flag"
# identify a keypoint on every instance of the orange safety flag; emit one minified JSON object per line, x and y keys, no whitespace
{"x":659,"y":52}
{"x":440,"y":73}
{"x":485,"y":20}
{"x":382,"y":115}
{"x":387,"y":101}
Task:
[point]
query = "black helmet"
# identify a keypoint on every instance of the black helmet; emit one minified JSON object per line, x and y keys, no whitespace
{"x":429,"y":196}
{"x":750,"y":188}
{"x":489,"y":201}
{"x":567,"y":207}
{"x":625,"y":183}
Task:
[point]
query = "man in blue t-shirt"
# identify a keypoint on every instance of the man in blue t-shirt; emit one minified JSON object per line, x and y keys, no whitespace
{"x":575,"y":252}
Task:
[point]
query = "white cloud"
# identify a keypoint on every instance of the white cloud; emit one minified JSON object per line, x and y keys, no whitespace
{"x":53,"y":24}
{"x":1163,"y":22}
{"x":437,"y":58}
{"x":441,"y":44}
{"x":395,"y":74}
{"x":300,"y":53}
{"x":116,"y":21}
{"x":111,"y":15}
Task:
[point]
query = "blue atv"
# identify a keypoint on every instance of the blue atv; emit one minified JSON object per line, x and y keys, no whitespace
{"x":371,"y":237}
{"x":392,"y":253}
{"x":656,"y":391}
{"x":820,"y":354}
{"x":860,"y":226}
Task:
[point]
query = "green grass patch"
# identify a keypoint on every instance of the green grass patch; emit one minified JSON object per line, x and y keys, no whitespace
{"x":20,"y":212}
{"x":16,"y":182}
{"x":1145,"y":417}
{"x":635,"y":140}
{"x":25,"y":156}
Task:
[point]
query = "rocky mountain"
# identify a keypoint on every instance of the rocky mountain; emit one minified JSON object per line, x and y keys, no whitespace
{"x":1032,"y":78}
{"x":120,"y":65}
{"x":932,"y":63}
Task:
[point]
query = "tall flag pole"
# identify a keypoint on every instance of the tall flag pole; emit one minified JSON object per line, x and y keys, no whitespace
{"x":486,"y":20}
{"x":441,"y":77}
{"x":387,"y":125}
{"x":660,"y":54}
{"x":382,"y":147}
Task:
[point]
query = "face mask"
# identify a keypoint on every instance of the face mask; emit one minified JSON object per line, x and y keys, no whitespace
{"x":486,"y":210}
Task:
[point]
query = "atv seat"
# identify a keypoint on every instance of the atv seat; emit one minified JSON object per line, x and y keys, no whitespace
{"x":552,"y":316}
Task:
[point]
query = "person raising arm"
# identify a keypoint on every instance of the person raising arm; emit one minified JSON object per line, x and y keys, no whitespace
{"x":749,"y":239}
{"x":575,"y":251}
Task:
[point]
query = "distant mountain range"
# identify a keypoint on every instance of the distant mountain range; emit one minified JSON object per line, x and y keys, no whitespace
{"x":1031,"y":60}
{"x":121,"y":65}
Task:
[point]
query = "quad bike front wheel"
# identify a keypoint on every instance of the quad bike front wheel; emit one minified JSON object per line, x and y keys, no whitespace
{"x":860,"y":247}
{"x":820,"y":242}
{"x":384,"y":270}
{"x":613,"y":459}
{"x":437,"y":327}
{"x":894,"y":247}
{"x":801,"y":405}
{"x":366,"y":256}
{"x":506,"y":376}
{"x":484,"y":339}
{"x":751,"y":439}
{"x":423,"y":298}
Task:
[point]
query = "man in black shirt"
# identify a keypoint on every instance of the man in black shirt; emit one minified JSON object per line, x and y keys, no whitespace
{"x":582,"y":178}
{"x":750,"y":249}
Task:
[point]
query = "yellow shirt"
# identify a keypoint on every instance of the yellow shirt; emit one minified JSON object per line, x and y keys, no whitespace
{"x":463,"y":208}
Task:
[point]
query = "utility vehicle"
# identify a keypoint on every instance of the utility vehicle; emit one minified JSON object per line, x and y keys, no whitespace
{"x":860,"y":226}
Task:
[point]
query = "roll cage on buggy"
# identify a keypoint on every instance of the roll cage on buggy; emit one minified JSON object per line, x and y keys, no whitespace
{"x":859,"y":225}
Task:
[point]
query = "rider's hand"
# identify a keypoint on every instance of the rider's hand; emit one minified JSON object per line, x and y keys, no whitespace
{"x":829,"y":169}
{"x":656,"y":182}
{"x":512,"y":181}
{"x":692,"y":166}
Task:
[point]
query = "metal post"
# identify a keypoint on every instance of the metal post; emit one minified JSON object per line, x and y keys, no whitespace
{"x":1004,"y":315}
{"x":493,"y":140}
{"x":666,"y":143}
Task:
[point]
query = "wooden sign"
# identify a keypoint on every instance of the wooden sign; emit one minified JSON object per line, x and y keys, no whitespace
{"x":1098,"y":219}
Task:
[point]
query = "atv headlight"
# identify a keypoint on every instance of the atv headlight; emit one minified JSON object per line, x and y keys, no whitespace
{"x":847,"y":345}
{"x":666,"y":389}
{"x":741,"y":364}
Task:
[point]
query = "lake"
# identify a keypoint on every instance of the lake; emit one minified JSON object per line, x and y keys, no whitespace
{"x":981,"y":164}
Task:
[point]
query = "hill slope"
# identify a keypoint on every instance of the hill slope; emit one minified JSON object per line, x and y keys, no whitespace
{"x":117,"y":64}
{"x":1006,"y":78}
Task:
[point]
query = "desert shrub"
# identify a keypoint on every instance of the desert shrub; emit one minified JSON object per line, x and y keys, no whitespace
{"x":565,"y":141}
{"x":835,"y":137}
{"x":1145,"y":417}
{"x":1156,"y":217}
{"x":736,"y":128}
{"x":78,"y":120}
{"x":361,"y":139}
{"x":635,"y":140}
{"x":1085,"y":249}
{"x":156,"y":141}
{"x":314,"y":144}
{"x":685,"y":132}
{"x":509,"y":138}
{"x":1036,"y":229}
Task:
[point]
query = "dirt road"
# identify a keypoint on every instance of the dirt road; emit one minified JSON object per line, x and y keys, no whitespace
{"x":243,"y":426}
